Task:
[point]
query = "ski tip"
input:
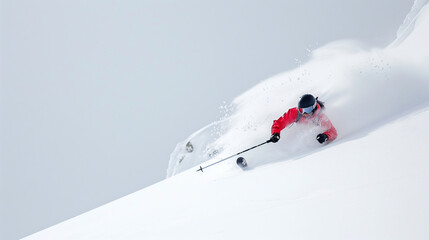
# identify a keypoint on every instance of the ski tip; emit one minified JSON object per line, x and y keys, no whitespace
{"x":241,"y":162}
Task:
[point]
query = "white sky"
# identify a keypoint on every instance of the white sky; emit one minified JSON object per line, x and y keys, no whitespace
{"x":95,"y":95}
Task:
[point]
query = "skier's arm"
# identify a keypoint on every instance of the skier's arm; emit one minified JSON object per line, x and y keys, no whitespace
{"x":288,"y":118}
{"x":330,"y":131}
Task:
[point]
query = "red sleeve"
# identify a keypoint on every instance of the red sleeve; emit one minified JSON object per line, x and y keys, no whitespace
{"x":330,"y":130}
{"x":288,"y":118}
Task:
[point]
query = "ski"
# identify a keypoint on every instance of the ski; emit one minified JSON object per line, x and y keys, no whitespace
{"x":241,"y":162}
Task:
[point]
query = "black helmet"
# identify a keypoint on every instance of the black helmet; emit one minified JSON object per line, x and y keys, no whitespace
{"x":307,"y":104}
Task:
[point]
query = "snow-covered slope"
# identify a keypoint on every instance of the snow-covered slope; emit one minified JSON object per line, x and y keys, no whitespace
{"x":373,"y":187}
{"x":371,"y":183}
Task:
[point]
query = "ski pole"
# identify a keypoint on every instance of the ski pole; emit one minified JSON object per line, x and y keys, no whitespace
{"x":201,"y":168}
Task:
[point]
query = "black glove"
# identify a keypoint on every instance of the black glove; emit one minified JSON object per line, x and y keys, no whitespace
{"x":275,"y":137}
{"x":322,"y":138}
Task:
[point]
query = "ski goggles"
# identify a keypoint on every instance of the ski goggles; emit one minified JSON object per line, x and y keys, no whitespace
{"x":307,"y":110}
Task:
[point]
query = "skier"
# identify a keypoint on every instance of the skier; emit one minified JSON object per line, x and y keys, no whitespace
{"x":309,"y":110}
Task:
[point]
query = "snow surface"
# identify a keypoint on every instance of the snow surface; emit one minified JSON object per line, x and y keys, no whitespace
{"x":371,"y":183}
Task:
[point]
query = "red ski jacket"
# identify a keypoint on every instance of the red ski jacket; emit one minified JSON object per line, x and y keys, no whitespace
{"x":318,"y":118}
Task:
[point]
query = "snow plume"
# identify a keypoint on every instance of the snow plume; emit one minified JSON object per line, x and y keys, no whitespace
{"x":362,"y":88}
{"x":407,"y":27}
